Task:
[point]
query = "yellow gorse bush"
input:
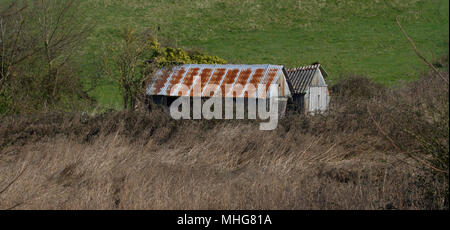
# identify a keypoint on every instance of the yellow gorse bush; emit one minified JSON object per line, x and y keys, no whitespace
{"x":164,"y":56}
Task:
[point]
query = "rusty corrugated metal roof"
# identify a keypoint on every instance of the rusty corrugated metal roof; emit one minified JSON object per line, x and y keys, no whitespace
{"x":213,"y":78}
{"x":302,"y":77}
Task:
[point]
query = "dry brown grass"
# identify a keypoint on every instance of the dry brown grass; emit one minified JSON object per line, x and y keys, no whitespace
{"x":111,"y":173}
{"x":146,"y":160}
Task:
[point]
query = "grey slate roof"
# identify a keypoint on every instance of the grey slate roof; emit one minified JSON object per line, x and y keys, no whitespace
{"x":301,"y":77}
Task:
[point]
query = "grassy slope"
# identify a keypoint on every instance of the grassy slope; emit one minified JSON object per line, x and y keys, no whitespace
{"x":345,"y":36}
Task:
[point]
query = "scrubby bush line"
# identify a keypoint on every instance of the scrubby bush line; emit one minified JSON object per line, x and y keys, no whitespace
{"x":338,"y":160}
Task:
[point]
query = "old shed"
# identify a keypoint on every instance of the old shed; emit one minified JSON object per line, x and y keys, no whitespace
{"x":310,"y":92}
{"x":214,"y":79}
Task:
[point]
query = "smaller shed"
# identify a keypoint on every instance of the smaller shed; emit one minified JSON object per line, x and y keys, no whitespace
{"x":310,"y":92}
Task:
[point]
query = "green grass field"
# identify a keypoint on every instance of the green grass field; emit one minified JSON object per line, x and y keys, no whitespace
{"x":351,"y":36}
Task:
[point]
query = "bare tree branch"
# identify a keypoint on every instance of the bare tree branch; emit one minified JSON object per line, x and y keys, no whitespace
{"x":413,"y":44}
{"x":396,"y":147}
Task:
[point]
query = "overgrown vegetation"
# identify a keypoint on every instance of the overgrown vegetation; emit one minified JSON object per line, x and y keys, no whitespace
{"x":132,"y":59}
{"x":412,"y":119}
{"x":40,"y":40}
{"x":146,"y":160}
{"x":37,"y":45}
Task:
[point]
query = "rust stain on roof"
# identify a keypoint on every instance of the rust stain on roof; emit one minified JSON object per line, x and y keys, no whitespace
{"x":256,"y":79}
{"x":175,"y":79}
{"x":242,"y":80}
{"x":200,"y":82}
{"x":211,"y":88}
{"x":229,"y":79}
{"x":205,"y":75}
{"x":189,"y":79}
{"x":161,"y":81}
{"x":270,"y":77}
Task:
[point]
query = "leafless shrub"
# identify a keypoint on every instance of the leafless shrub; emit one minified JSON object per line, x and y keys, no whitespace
{"x":37,"y":42}
{"x":125,"y":63}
